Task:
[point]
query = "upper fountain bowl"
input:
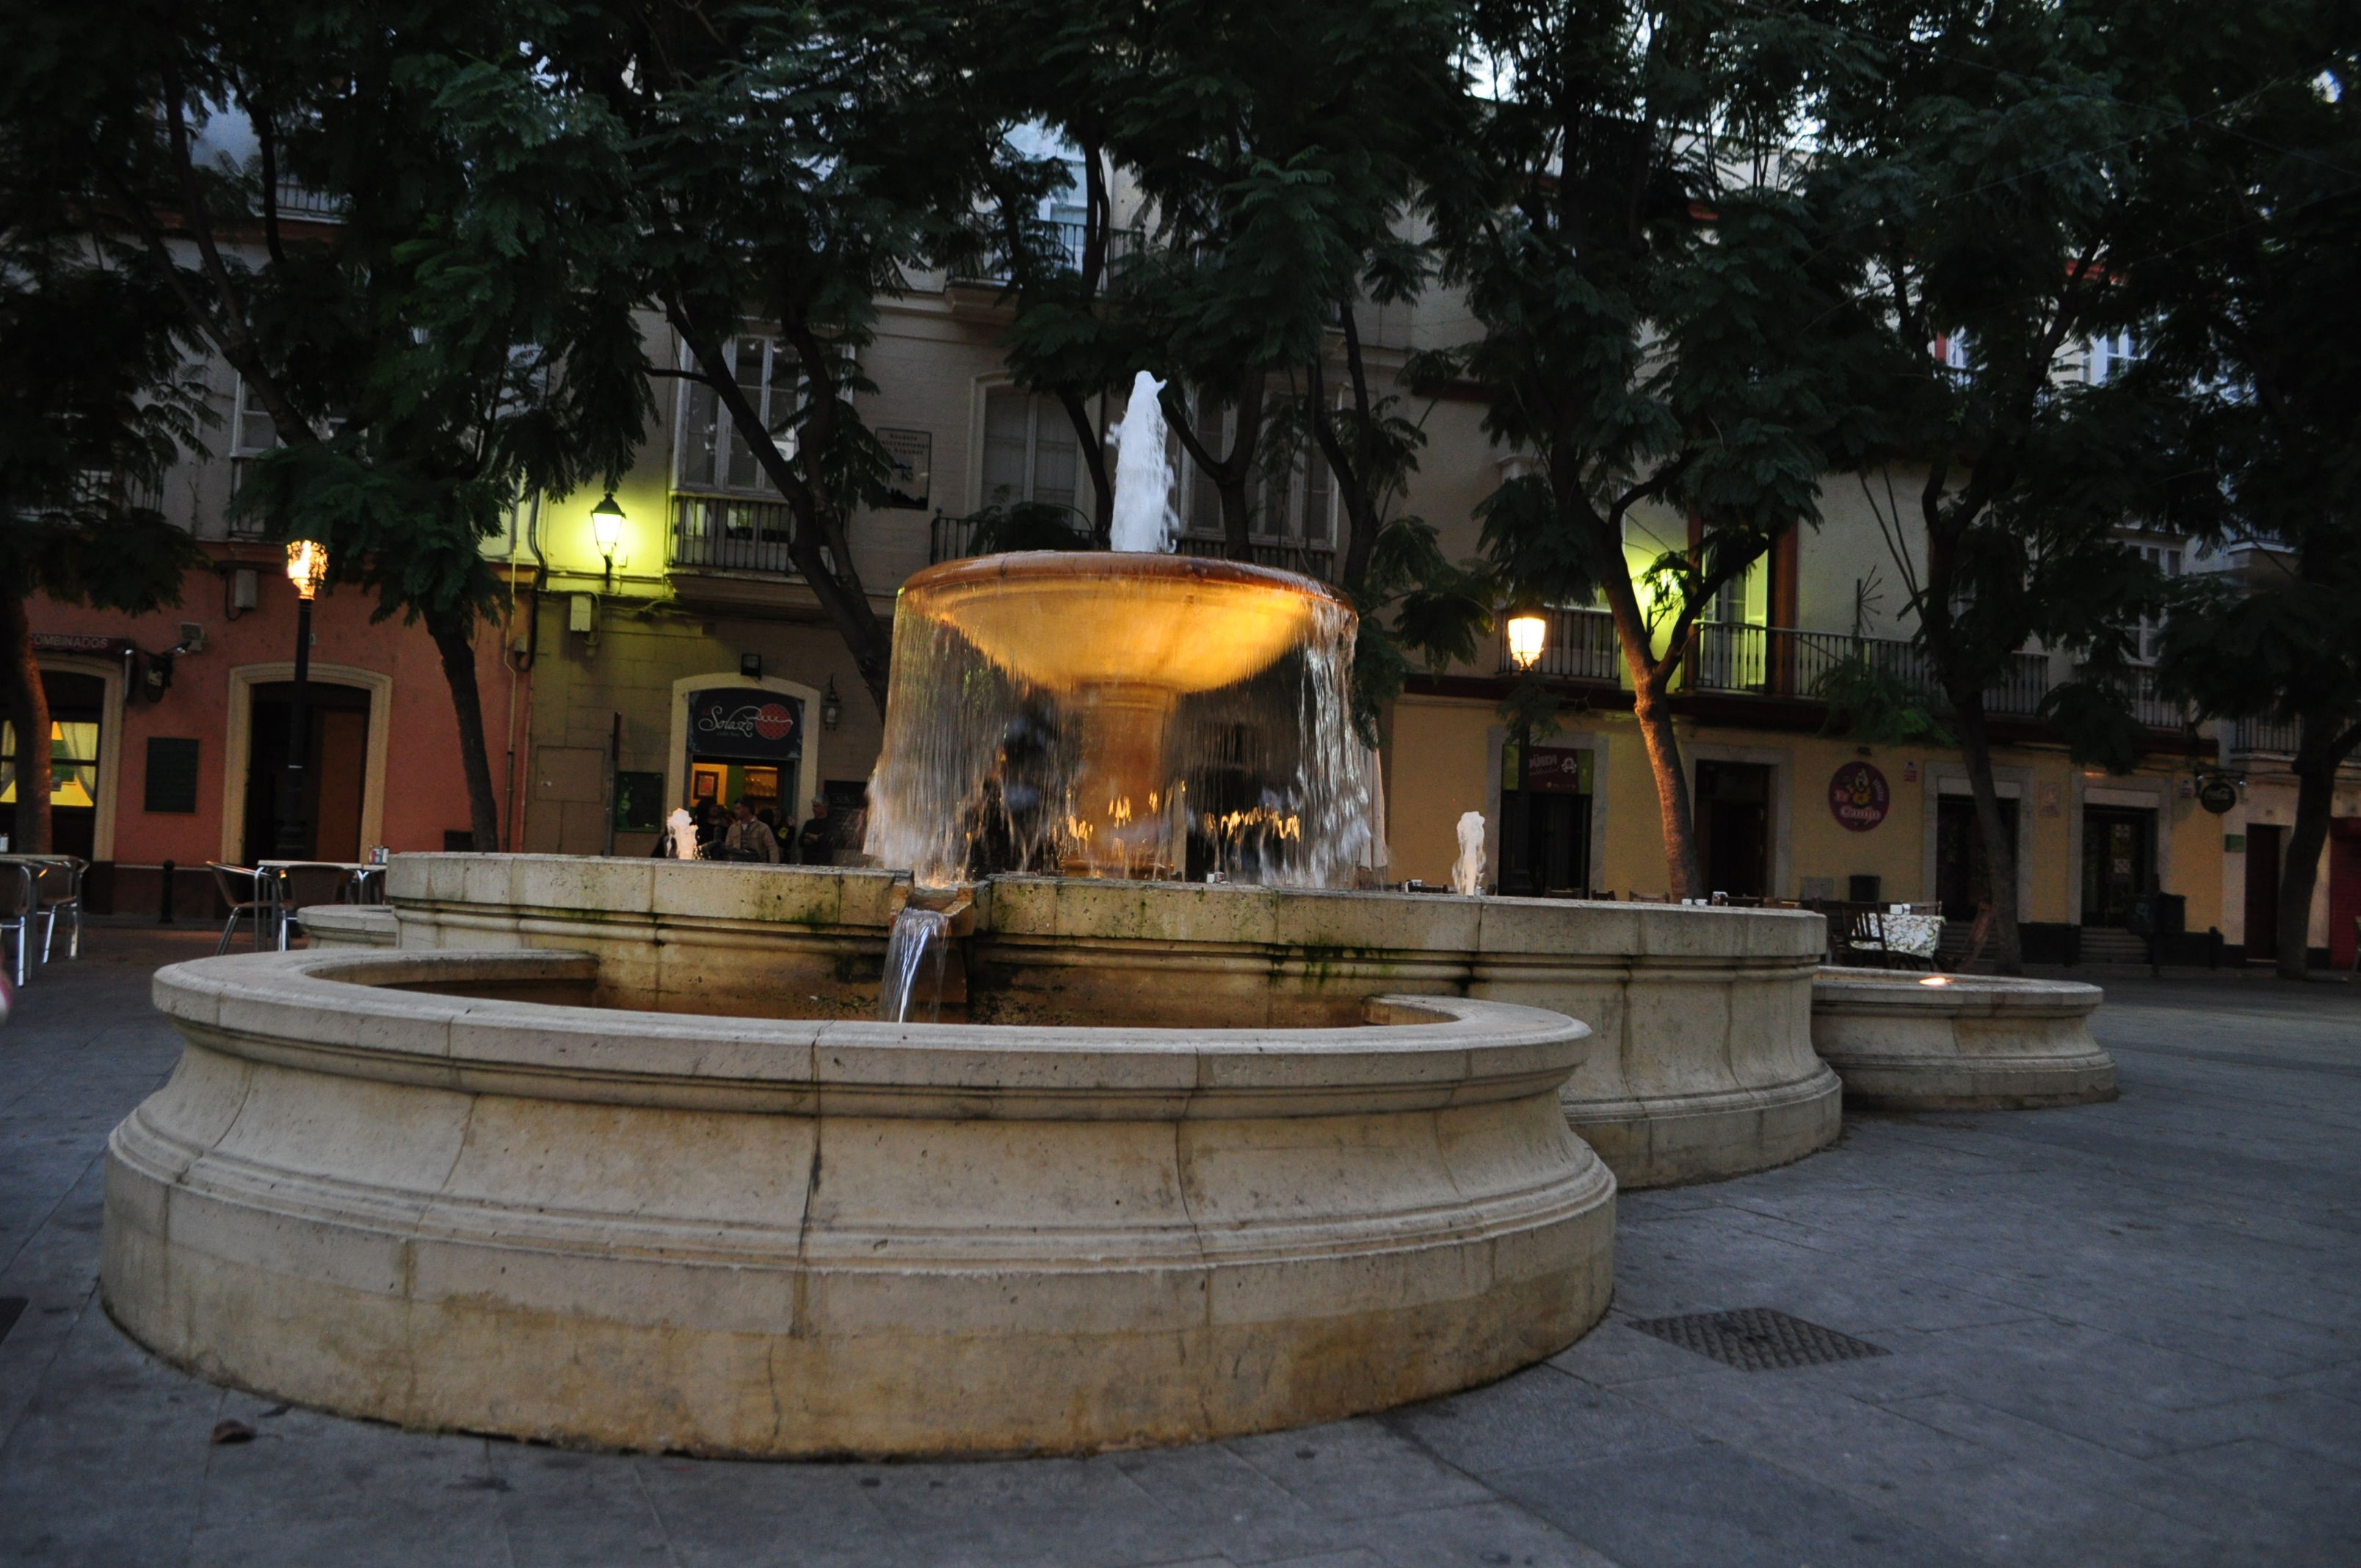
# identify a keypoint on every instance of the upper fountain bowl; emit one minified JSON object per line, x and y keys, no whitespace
{"x":1063,"y":620}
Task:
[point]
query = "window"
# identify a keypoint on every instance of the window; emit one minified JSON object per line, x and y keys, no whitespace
{"x":2108,"y":357}
{"x":1300,"y":509}
{"x":2166,"y":559}
{"x":714,"y":454}
{"x":73,"y":762}
{"x":1029,"y":451}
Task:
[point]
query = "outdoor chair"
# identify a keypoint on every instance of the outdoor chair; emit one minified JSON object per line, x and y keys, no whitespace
{"x":19,"y":906}
{"x":58,"y":880}
{"x":249,"y":894}
{"x":306,"y":882}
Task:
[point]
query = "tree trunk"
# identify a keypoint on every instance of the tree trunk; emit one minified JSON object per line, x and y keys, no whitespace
{"x":28,"y":707}
{"x":2315,"y":793}
{"x":454,"y":641}
{"x":1092,"y":443}
{"x":1683,"y":873}
{"x":2000,"y":851}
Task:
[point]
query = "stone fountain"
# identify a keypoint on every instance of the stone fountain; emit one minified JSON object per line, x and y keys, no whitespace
{"x":658,"y":1182}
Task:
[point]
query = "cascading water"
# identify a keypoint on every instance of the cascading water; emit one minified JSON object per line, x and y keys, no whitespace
{"x":917,"y":951}
{"x":1130,"y":714}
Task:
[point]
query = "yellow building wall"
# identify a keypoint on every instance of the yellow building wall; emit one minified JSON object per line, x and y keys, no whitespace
{"x":1437,"y":765}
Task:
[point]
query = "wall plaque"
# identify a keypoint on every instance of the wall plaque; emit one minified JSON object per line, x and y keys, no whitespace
{"x":1858,"y":797}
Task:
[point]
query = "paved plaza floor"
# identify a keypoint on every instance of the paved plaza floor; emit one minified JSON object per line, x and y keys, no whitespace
{"x":2123,"y":1333}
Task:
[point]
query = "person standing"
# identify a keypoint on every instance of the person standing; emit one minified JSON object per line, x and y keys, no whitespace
{"x":747,"y":837}
{"x":816,"y":845}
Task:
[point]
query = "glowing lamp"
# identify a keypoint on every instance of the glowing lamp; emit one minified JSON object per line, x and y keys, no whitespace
{"x":1528,"y":634}
{"x":607,"y":525}
{"x":307,"y":567}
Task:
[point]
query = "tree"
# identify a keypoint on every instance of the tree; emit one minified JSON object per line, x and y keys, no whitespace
{"x":449,"y":341}
{"x":792,"y":165}
{"x":1660,"y":333}
{"x":1273,"y":208}
{"x":2248,"y":314}
{"x":1978,"y":185}
{"x":95,"y":404}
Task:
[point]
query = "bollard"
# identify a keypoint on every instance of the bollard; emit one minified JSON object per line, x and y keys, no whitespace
{"x":164,"y":905}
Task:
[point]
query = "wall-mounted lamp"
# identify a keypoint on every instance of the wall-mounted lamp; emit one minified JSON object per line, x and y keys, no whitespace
{"x":831,"y":708}
{"x":606,"y":528}
{"x":749,"y":667}
{"x":1528,"y":635}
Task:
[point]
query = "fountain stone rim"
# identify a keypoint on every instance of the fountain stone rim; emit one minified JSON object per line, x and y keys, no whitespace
{"x":339,"y":1012}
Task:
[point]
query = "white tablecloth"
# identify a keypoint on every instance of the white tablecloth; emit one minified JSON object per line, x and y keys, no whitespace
{"x":1916,"y":935}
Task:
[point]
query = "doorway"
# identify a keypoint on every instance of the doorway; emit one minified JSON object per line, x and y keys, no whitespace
{"x":1733,"y":827}
{"x":2266,"y":845}
{"x":335,"y":773}
{"x":77,"y":706}
{"x":1962,"y":874}
{"x":1545,"y":823}
{"x":2118,"y":861}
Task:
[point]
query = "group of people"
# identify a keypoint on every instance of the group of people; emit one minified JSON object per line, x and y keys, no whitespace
{"x":745,"y":832}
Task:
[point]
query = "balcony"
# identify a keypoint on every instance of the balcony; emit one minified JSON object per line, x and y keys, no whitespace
{"x":1768,"y":661}
{"x":1580,"y":646}
{"x":2269,"y":737}
{"x":1067,"y":240}
{"x":731,"y":533}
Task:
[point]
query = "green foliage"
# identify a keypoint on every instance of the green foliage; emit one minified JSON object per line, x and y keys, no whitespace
{"x":1025,"y":525}
{"x":2096,"y":715}
{"x":1869,"y":702}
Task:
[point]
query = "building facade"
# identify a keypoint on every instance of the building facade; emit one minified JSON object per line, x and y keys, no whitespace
{"x":689,"y":662}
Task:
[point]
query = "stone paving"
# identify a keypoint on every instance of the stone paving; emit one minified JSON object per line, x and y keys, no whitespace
{"x":2126,"y":1333}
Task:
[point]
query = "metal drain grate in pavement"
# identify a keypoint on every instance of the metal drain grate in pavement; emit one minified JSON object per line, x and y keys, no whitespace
{"x":1758,"y":1339}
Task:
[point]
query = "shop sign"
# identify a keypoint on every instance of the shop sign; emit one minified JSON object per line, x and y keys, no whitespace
{"x":77,"y":642}
{"x":1558,"y":769}
{"x":1858,"y":797}
{"x":746,"y":723}
{"x":2217,"y":794}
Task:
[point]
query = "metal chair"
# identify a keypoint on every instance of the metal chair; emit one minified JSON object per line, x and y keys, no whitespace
{"x":306,"y":883}
{"x":261,"y":901}
{"x":58,"y":880}
{"x":20,"y":904}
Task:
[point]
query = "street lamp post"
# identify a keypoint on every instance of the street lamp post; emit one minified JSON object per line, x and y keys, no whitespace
{"x":1528,"y":636}
{"x":307,"y":568}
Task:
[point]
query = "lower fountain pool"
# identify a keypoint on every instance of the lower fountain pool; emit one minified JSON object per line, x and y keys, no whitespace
{"x":435,"y":1188}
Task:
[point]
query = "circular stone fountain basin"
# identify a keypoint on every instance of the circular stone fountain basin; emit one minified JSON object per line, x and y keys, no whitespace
{"x":1909,"y":1042}
{"x":409,"y":1185}
{"x":1171,"y":623}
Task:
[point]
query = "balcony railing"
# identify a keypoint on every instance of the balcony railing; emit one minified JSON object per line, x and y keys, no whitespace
{"x":1782,"y":662}
{"x":731,"y":533}
{"x":1310,"y":558}
{"x":2156,"y":711}
{"x":1580,"y":646}
{"x":2265,"y":737}
{"x":1068,"y":240}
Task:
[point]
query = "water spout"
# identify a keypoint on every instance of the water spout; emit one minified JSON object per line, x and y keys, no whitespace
{"x":917,"y":950}
{"x":1468,"y":871}
{"x":1143,"y":472}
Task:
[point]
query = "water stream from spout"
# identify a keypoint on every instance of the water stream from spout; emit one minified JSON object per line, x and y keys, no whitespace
{"x":1143,"y":472}
{"x":917,"y":951}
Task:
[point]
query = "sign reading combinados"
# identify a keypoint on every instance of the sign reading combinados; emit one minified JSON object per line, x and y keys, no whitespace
{"x":1858,"y":797}
{"x":745,"y":723}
